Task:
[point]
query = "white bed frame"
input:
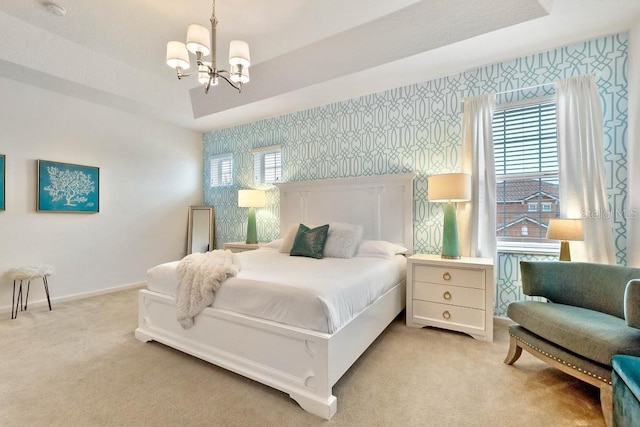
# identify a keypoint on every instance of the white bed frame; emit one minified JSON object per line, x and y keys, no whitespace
{"x":303,"y":363}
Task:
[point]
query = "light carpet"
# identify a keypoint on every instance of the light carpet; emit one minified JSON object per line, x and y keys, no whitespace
{"x":80,"y":365}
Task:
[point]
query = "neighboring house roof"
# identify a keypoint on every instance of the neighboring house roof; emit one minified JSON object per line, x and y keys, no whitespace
{"x":523,"y":189}
{"x":522,"y":218}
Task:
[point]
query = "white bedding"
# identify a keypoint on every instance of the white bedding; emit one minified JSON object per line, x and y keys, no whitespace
{"x":320,"y":295}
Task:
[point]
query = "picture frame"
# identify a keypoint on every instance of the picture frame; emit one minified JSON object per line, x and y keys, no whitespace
{"x":67,"y":187}
{"x":3,"y":181}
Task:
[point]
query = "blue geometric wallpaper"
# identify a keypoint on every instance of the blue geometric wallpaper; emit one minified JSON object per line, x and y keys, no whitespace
{"x":417,"y":128}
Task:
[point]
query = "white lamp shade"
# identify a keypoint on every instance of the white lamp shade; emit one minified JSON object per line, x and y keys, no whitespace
{"x":239,"y":53}
{"x":251,"y":198}
{"x":198,"y":39}
{"x":237,"y":77}
{"x":565,"y":229}
{"x":449,"y":187}
{"x":177,"y":55}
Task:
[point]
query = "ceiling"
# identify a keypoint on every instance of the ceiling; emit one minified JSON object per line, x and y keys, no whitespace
{"x":304,"y":53}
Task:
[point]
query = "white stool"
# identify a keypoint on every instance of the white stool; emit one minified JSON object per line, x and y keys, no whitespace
{"x":28,"y":273}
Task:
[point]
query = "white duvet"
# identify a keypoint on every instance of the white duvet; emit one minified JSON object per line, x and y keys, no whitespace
{"x":321,"y":295}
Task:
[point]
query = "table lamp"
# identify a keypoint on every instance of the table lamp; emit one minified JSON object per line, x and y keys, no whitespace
{"x":450,"y":188}
{"x":251,"y":199}
{"x":565,"y":229}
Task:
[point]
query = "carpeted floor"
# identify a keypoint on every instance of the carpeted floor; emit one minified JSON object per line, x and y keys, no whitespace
{"x":80,"y":365}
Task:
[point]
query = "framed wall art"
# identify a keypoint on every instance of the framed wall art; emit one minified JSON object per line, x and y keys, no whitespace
{"x":3,"y":179}
{"x":65,"y":187}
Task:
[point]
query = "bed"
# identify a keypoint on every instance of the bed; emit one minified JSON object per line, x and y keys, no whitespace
{"x":300,"y":359}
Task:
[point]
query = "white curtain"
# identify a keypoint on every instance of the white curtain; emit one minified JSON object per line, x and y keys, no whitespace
{"x":477,"y":218}
{"x":583,"y":193}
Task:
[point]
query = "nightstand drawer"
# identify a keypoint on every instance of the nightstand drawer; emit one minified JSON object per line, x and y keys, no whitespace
{"x":448,"y":314}
{"x":453,"y":295}
{"x":449,"y":276}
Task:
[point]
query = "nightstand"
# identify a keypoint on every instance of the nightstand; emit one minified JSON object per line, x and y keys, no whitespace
{"x":241,"y":246}
{"x":454,"y":294}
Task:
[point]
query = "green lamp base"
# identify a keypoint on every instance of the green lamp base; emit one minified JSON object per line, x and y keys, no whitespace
{"x":450,"y":247}
{"x":252,"y":232}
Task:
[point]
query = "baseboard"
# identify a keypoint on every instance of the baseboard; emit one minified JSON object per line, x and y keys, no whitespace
{"x":83,"y":295}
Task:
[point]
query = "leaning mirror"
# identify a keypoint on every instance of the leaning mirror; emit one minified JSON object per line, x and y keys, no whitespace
{"x":201,"y":234}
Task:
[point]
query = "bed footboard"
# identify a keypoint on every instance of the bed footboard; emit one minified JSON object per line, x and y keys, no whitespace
{"x":305,"y":364}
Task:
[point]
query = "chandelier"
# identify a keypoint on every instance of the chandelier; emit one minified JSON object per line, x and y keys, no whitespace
{"x":201,"y":43}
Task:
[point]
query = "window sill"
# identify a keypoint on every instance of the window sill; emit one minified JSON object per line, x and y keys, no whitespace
{"x":529,"y":248}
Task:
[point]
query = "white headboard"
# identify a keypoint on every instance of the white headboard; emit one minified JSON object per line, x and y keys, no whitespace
{"x":382,"y":204}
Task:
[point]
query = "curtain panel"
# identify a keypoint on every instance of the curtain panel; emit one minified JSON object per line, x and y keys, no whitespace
{"x":477,"y":218}
{"x":583,"y":191}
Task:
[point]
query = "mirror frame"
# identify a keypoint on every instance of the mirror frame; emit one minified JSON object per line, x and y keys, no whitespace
{"x":212,"y":231}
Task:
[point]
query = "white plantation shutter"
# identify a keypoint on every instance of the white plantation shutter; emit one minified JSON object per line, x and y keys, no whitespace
{"x":267,"y":165}
{"x":221,"y":170}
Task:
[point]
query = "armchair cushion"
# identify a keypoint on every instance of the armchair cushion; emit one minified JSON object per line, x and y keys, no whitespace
{"x":591,"y":334}
{"x":632,"y":303}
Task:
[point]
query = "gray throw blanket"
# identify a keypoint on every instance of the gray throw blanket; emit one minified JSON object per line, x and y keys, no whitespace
{"x":199,"y":277}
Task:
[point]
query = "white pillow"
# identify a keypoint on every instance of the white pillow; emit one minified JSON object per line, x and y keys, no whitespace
{"x":274,"y":244}
{"x":287,"y":242}
{"x":342,"y":240}
{"x":379,"y":249}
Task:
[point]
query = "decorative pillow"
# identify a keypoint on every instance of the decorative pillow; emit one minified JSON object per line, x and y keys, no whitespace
{"x":342,"y":240}
{"x":287,"y":242}
{"x":310,"y":242}
{"x":379,"y":249}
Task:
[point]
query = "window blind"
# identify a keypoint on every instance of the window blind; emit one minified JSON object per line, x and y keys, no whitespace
{"x":526,"y":162}
{"x":525,"y":139}
{"x":221,"y":170}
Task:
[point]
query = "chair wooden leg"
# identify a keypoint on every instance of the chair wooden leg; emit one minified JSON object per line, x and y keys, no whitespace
{"x":515,"y":351}
{"x":606,"y":402}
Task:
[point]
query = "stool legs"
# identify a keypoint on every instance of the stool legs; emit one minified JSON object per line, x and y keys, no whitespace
{"x":26,"y":300}
{"x":17,"y":299}
{"x":46,"y":289}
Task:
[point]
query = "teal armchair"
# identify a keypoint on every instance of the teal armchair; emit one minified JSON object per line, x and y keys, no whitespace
{"x":592,"y":313}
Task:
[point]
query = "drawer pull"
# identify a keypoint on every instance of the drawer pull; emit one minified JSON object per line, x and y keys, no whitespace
{"x":446,"y":295}
{"x":446,"y":314}
{"x":446,"y":275}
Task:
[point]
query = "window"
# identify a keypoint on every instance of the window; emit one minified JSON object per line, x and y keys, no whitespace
{"x":221,"y":170}
{"x":267,"y":165}
{"x":526,"y":161}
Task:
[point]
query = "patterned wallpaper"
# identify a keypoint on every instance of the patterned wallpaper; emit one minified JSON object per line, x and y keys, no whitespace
{"x":418,"y":128}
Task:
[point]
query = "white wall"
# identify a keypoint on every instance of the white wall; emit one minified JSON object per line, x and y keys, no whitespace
{"x":633,"y":150}
{"x":150,"y":173}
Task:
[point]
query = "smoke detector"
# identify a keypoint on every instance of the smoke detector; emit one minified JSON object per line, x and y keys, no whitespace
{"x":55,"y":8}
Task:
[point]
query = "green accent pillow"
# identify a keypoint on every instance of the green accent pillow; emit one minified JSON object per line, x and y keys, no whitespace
{"x":310,"y":242}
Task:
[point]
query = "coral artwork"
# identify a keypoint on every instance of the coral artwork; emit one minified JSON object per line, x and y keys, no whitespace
{"x":64,"y":187}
